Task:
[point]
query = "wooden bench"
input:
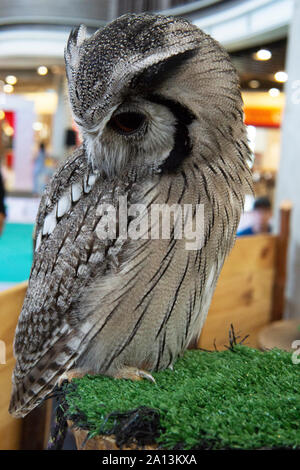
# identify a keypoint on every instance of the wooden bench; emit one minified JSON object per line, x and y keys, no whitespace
{"x":11,"y":302}
{"x":30,"y":433}
{"x":250,"y":290}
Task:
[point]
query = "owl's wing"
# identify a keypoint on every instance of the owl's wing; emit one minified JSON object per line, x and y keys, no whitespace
{"x":68,"y":255}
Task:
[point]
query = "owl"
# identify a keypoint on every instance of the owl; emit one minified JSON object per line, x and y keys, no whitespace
{"x":158,"y":105}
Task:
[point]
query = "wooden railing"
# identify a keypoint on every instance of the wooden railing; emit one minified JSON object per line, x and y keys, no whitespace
{"x":11,"y":302}
{"x":250,"y":290}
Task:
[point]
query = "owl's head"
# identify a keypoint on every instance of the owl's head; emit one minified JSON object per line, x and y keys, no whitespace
{"x":144,"y":87}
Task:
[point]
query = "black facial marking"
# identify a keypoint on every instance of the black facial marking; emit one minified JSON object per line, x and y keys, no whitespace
{"x":182,"y":144}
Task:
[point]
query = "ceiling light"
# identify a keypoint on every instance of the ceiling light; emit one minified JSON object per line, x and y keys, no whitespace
{"x":11,"y":79}
{"x":254,"y":84}
{"x":37,"y":126}
{"x":263,"y":54}
{"x":8,"y":130}
{"x":281,"y":76}
{"x":274,"y":92}
{"x":8,"y":88}
{"x":42,"y":70}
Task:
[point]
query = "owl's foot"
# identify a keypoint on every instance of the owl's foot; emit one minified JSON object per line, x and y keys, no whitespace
{"x":72,"y":374}
{"x":133,"y":373}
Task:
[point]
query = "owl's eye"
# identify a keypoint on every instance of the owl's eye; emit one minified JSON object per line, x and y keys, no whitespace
{"x":127,"y":123}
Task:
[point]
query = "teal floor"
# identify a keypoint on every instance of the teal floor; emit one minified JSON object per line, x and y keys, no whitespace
{"x":15,"y":252}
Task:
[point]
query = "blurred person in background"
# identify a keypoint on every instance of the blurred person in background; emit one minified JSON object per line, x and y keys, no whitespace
{"x":70,"y":140}
{"x":43,"y":169}
{"x":261,"y":215}
{"x":2,"y":206}
{"x":39,"y":170}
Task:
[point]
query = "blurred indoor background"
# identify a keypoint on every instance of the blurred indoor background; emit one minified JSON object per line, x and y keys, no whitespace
{"x":36,"y":127}
{"x":37,"y":133}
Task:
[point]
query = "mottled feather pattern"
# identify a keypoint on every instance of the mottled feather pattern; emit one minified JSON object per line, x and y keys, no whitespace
{"x":102,"y":305}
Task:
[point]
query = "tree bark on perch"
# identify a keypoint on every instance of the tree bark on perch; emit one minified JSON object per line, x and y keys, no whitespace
{"x":101,"y":442}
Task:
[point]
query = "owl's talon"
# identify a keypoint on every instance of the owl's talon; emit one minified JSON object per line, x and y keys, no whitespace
{"x":133,"y":373}
{"x":146,"y":375}
{"x":70,"y":375}
{"x":61,"y":379}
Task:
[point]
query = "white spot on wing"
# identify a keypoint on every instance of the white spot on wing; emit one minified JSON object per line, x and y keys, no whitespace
{"x":88,"y":182}
{"x":92,"y":179}
{"x":61,"y":359}
{"x":76,"y":191}
{"x":74,"y":343}
{"x":96,"y":257}
{"x":38,"y":240}
{"x":86,"y":186}
{"x":49,"y":222}
{"x":63,"y":205}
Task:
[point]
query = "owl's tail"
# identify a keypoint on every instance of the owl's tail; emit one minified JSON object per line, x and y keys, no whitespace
{"x":24,"y":400}
{"x":30,"y":390}
{"x":34,"y":388}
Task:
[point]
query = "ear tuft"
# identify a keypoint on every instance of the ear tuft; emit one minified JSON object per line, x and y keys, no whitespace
{"x":76,"y":39}
{"x":77,"y":36}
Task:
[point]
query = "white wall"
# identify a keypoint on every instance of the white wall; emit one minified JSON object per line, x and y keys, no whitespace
{"x":23,"y":138}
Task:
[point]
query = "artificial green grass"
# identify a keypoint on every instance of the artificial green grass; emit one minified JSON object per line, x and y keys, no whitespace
{"x":239,"y":398}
